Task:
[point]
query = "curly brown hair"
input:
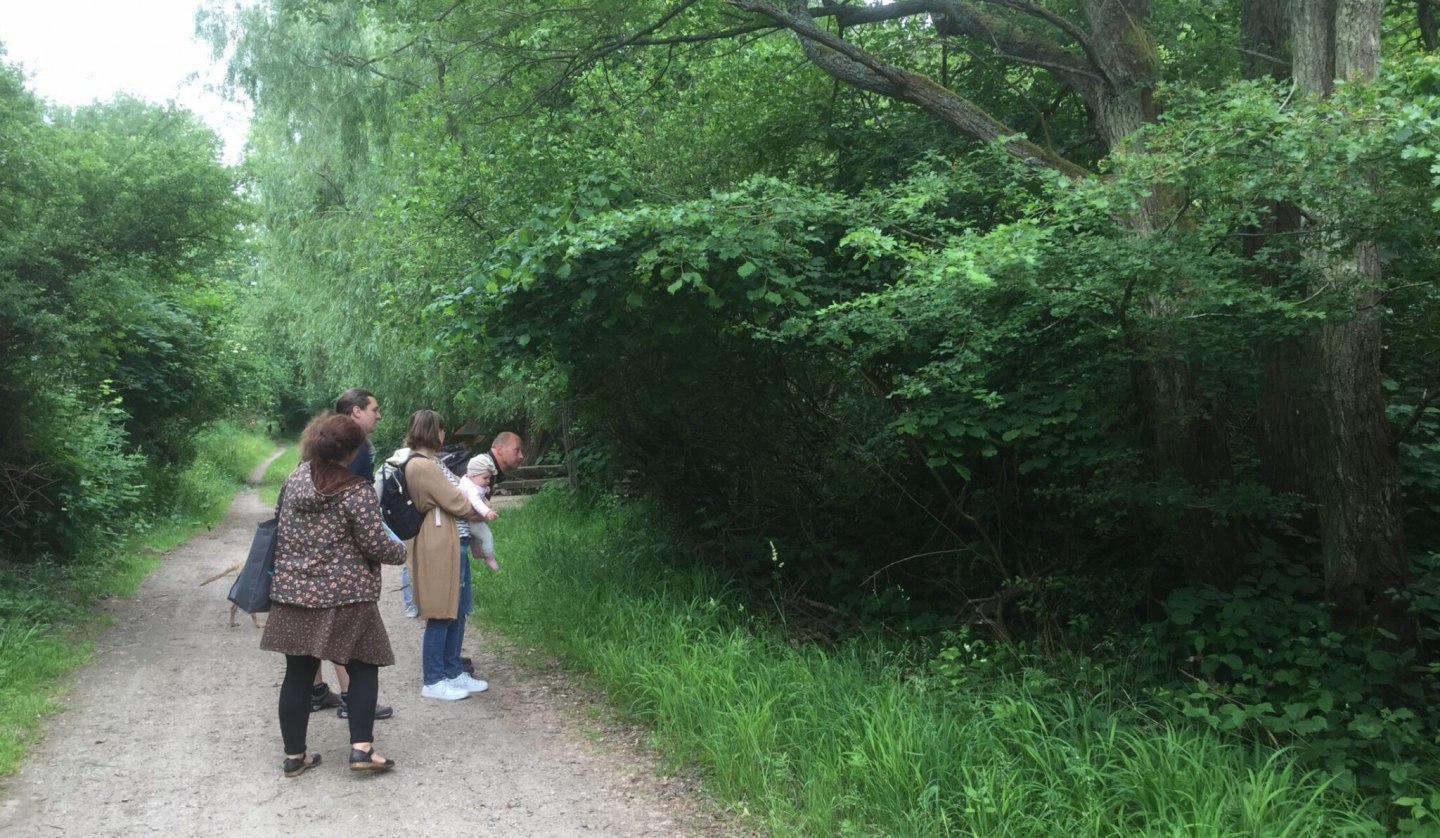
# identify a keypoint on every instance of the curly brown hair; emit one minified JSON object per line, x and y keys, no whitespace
{"x":331,"y":437}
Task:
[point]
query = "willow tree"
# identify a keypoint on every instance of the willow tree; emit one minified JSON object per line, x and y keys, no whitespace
{"x":321,"y":166}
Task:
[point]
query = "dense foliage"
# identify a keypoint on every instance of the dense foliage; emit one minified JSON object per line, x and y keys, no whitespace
{"x":119,"y":234}
{"x":1094,"y":329}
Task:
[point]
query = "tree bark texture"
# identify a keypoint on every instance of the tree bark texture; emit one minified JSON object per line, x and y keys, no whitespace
{"x":1112,"y":65}
{"x":1356,"y":470}
{"x":1312,"y":27}
{"x":1429,"y":28}
{"x":1192,"y":445}
{"x":1282,"y":426}
{"x":1265,"y":39}
{"x":1357,"y":478}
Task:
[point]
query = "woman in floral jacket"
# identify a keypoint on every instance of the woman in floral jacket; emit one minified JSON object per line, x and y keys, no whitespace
{"x":329,"y":546}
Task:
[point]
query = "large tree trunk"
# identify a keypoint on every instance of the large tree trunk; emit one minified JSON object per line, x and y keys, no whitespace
{"x":1429,"y":27}
{"x":1192,"y":446}
{"x":1356,"y":475}
{"x":1282,"y":429}
{"x":1356,"y":472}
{"x":1264,"y":37}
{"x":1188,"y":435}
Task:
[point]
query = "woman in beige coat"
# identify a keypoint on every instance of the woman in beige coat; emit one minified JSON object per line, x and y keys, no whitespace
{"x":439,"y":561}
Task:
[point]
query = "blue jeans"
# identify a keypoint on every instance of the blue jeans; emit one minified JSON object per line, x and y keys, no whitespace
{"x":405,"y":590}
{"x":440,"y":648}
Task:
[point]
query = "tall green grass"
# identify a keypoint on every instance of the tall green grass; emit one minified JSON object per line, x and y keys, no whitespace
{"x":225,"y":453}
{"x":47,"y":607}
{"x":277,"y":471}
{"x":844,"y":742}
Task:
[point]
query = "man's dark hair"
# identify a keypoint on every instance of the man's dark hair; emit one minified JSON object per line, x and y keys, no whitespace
{"x":353,"y":398}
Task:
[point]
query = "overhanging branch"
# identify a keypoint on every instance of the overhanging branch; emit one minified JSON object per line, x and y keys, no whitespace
{"x":855,"y":66}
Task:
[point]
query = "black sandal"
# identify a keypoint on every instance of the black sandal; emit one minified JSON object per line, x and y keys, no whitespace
{"x":365,"y":761}
{"x":295,"y":766}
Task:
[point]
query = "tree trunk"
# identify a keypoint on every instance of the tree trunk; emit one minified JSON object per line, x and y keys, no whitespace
{"x":1191,"y":445}
{"x":1188,"y":435}
{"x":1356,"y":471}
{"x":1264,"y":37}
{"x":1429,"y":29}
{"x":1312,"y":26}
{"x":1357,"y":478}
{"x":1283,"y":429}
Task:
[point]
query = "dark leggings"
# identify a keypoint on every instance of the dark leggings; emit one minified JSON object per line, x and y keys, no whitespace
{"x":295,"y":700}
{"x":360,"y":701}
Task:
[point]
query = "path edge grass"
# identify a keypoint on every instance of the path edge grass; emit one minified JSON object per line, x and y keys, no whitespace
{"x":855,"y":739}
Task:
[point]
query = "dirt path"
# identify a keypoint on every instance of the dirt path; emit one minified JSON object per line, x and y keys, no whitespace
{"x":172,"y":731}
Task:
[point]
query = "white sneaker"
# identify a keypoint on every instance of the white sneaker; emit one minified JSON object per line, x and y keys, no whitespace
{"x":444,"y":690}
{"x":465,"y":682}
{"x":412,"y":612}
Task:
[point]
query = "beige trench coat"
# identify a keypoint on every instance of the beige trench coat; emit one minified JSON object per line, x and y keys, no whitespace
{"x":435,"y":551}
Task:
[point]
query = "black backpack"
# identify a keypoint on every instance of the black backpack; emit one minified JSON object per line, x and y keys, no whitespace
{"x":455,"y":457}
{"x":396,"y":506}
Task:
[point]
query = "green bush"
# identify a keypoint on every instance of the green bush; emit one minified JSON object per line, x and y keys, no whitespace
{"x":72,"y":483}
{"x":223,"y":455}
{"x":232,"y":449}
{"x":1265,"y":660}
{"x":81,"y":481}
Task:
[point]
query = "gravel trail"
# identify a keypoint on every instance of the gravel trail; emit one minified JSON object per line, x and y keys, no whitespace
{"x":171,"y":730}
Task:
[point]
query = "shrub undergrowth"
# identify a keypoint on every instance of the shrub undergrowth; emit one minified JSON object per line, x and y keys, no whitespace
{"x":1266,"y":661}
{"x":856,"y":740}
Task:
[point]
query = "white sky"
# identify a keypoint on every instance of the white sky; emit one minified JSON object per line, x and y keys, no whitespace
{"x":75,"y":52}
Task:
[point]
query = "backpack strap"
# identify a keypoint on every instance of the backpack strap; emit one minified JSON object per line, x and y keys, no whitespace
{"x":405,"y":478}
{"x":406,"y":464}
{"x":280,"y":499}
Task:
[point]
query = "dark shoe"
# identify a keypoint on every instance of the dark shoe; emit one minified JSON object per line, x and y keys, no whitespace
{"x":329,"y":699}
{"x":381,"y":711}
{"x":296,"y":767}
{"x":466,"y":665}
{"x":367,"y":761}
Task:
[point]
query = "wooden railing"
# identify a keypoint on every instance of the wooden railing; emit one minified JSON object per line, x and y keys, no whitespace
{"x":526,"y":480}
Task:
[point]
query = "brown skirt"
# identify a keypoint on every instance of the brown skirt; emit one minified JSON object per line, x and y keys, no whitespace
{"x":340,"y":634}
